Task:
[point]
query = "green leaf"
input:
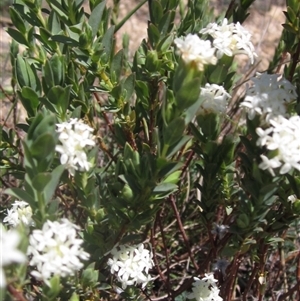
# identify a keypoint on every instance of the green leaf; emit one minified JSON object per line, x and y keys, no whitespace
{"x":45,"y":38}
{"x":152,"y":61}
{"x":40,"y":125}
{"x":43,"y":146}
{"x":173,"y":149}
{"x":166,"y":167}
{"x":29,"y":99}
{"x":153,"y":34}
{"x":20,"y":194}
{"x":174,"y":131}
{"x":210,"y":125}
{"x":188,"y":94}
{"x":59,"y":9}
{"x":60,"y":97}
{"x":290,"y":14}
{"x":89,"y":276}
{"x":116,"y":66}
{"x":166,"y":23}
{"x":74,"y":297}
{"x":48,"y":105}
{"x":192,"y":111}
{"x":165,"y":43}
{"x":48,"y":80}
{"x":128,"y":152}
{"x":17,"y":20}
{"x":267,"y":192}
{"x":275,"y":240}
{"x":40,"y":181}
{"x":53,"y":24}
{"x":173,"y":178}
{"x":295,"y":184}
{"x":21,"y":72}
{"x":291,"y":28}
{"x":243,"y":221}
{"x":58,"y":69}
{"x":17,"y":36}
{"x":107,"y":42}
{"x":65,"y":40}
{"x":219,"y":74}
{"x":96,"y":17}
{"x":128,"y":86}
{"x":165,"y":188}
{"x":156,"y":12}
{"x":29,"y":163}
{"x":51,"y":186}
{"x":52,"y":290}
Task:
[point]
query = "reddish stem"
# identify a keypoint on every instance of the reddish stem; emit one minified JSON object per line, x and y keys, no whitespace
{"x":166,"y":253}
{"x":18,"y":296}
{"x":152,"y":238}
{"x":185,"y":238}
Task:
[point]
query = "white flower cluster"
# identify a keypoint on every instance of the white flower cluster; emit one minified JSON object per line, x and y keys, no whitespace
{"x":215,"y":99}
{"x":230,"y":39}
{"x":195,"y":50}
{"x":75,"y":138}
{"x":282,"y":138}
{"x":205,"y":289}
{"x":131,"y":264}
{"x":56,"y":250}
{"x":20,"y":213}
{"x":9,"y":253}
{"x":268,"y":96}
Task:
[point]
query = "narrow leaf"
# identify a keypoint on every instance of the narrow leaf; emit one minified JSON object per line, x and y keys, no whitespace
{"x":96,"y":17}
{"x":20,"y":194}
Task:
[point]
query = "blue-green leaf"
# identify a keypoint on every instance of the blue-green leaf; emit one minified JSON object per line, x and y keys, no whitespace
{"x":20,"y":194}
{"x":96,"y":17}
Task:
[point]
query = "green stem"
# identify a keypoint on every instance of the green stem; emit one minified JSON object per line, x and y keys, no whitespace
{"x":106,"y":79}
{"x":124,"y":20}
{"x":165,"y":150}
{"x":41,"y":204}
{"x":41,"y":18}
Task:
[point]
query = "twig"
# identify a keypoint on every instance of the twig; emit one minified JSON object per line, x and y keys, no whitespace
{"x":104,"y":114}
{"x":105,"y":149}
{"x":282,"y":61}
{"x":250,"y":281}
{"x":145,"y":293}
{"x":188,"y":161}
{"x":7,"y":185}
{"x":264,"y":249}
{"x":227,"y":290}
{"x":185,"y":238}
{"x":161,"y":275}
{"x":173,"y":265}
{"x":18,"y":296}
{"x":5,"y":93}
{"x":166,"y":253}
{"x":283,"y":266}
{"x":289,"y":293}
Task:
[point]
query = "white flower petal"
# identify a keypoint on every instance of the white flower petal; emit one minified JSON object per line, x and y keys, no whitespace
{"x":55,"y":250}
{"x":76,"y":139}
